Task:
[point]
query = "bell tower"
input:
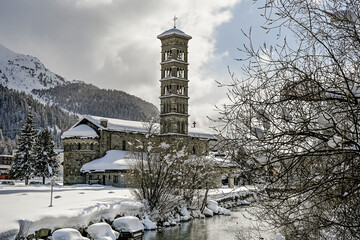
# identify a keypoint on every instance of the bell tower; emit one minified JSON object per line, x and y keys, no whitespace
{"x":174,"y":82}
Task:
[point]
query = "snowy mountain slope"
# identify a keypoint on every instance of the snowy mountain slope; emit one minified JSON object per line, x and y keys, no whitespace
{"x":25,"y":73}
{"x":26,"y":83}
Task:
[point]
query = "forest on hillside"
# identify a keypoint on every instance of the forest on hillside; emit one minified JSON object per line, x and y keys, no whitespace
{"x":82,"y":98}
{"x":14,"y":107}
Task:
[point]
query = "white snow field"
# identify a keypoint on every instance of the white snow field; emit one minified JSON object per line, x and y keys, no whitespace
{"x":27,"y":207}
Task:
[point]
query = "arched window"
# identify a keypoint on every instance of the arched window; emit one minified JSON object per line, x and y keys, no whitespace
{"x":194,"y":150}
{"x":79,"y":146}
{"x":91,"y":146}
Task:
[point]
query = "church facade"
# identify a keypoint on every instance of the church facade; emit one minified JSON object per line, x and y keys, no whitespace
{"x":96,"y":148}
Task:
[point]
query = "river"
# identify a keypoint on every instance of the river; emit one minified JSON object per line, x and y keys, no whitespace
{"x":215,"y":228}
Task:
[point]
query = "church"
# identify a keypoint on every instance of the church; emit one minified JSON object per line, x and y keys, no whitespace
{"x":96,"y":148}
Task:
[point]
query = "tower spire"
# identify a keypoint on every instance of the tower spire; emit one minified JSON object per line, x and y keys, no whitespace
{"x":175,"y":18}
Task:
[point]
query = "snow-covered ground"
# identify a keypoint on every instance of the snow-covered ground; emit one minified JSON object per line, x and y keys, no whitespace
{"x":26,"y":208}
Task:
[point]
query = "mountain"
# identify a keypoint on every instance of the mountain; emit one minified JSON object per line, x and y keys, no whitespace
{"x":25,"y":83}
{"x":81,"y":98}
{"x":25,"y":73}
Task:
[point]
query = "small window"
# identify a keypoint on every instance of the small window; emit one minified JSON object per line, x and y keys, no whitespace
{"x":92,"y":146}
{"x":79,"y":146}
{"x":194,"y":150}
{"x":123,"y":145}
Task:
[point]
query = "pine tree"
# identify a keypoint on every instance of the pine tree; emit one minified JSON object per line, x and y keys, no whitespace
{"x":24,"y":163}
{"x":46,"y":164}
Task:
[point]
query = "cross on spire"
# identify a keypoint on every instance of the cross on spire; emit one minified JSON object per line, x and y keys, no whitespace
{"x":174,"y":21}
{"x":194,"y":124}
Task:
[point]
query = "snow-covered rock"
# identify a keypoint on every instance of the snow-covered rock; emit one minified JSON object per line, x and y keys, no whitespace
{"x":197,"y":214}
{"x":128,"y":224}
{"x":213,"y":206}
{"x":166,"y":224}
{"x":102,"y":231}
{"x":185,"y":215}
{"x":207,"y":212}
{"x":279,"y":237}
{"x":244,"y":202}
{"x":148,"y":224}
{"x":224,"y":211}
{"x":67,"y":234}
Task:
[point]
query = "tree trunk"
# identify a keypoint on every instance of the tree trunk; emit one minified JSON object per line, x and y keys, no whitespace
{"x":26,"y":180}
{"x":43,"y":180}
{"x":203,"y":205}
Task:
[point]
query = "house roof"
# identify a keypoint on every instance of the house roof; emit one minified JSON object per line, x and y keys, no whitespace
{"x":113,"y":160}
{"x":80,"y":131}
{"x":121,"y":125}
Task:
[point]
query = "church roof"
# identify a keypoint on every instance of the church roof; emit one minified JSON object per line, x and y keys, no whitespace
{"x":80,"y":131}
{"x":121,"y":125}
{"x":174,"y":31}
{"x":113,"y":160}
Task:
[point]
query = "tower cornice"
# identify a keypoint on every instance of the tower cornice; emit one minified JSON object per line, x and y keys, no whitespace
{"x":174,"y":61}
{"x":174,"y":96}
{"x":173,"y":113}
{"x":174,"y":78}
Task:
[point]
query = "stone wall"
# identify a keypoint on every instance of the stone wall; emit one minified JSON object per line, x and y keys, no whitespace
{"x":77,"y":152}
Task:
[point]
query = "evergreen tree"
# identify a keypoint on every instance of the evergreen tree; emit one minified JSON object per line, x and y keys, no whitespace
{"x":46,"y":164}
{"x":24,"y":164}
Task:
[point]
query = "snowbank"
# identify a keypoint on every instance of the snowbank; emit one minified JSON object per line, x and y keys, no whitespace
{"x":27,"y":207}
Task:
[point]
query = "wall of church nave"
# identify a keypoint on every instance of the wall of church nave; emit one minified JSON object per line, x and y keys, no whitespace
{"x":122,"y":141}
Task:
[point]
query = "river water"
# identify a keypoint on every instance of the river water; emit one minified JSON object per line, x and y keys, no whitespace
{"x":215,"y":228}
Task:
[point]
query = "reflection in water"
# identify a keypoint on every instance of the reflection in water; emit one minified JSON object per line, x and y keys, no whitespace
{"x":215,"y":228}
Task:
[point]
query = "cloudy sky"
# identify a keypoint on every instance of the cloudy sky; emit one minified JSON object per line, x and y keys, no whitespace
{"x":113,"y":43}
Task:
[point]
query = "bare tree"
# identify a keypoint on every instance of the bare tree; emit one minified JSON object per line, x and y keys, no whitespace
{"x":167,"y":176}
{"x":198,"y":176}
{"x":296,"y":112}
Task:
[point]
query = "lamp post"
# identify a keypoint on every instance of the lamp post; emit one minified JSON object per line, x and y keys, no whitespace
{"x":52,"y":189}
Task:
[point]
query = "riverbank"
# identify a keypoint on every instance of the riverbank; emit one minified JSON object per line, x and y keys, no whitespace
{"x":25,"y":209}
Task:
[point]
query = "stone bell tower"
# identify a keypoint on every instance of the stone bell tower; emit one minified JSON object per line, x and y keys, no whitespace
{"x":174,"y":82}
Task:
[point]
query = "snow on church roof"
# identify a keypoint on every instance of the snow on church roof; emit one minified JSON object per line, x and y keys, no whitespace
{"x":113,"y":160}
{"x":80,"y":131}
{"x":174,"y":31}
{"x":121,"y":125}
